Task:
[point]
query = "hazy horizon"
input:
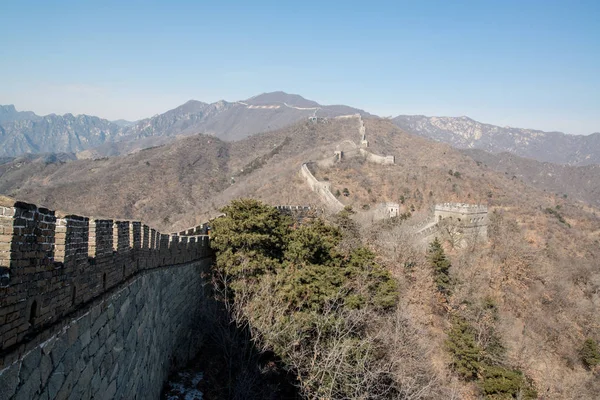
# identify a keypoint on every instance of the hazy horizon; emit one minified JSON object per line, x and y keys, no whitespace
{"x":308,"y":98}
{"x":521,"y":64}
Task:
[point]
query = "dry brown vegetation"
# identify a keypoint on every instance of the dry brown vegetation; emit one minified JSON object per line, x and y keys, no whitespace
{"x":581,"y":183}
{"x":542,"y":274}
{"x":177,"y":185}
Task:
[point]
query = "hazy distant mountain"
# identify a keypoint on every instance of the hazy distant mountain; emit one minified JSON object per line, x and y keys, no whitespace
{"x":235,"y":120}
{"x":29,"y":133}
{"x":578,"y":182}
{"x":25,"y":132}
{"x":463,"y":132}
{"x":180,"y":120}
{"x":281,"y":98}
{"x":225,"y":120}
{"x":9,"y":113}
{"x":123,"y":123}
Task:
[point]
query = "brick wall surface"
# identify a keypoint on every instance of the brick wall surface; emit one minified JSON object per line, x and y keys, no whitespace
{"x":51,"y":264}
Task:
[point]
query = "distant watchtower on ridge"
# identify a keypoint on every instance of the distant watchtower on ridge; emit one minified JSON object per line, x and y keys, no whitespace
{"x":472,"y":218}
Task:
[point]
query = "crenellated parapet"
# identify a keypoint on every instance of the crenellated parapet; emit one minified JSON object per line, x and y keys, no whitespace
{"x":52,"y":263}
{"x":199,"y":230}
{"x":292,"y":209}
{"x":300,"y":214}
{"x":474,"y":215}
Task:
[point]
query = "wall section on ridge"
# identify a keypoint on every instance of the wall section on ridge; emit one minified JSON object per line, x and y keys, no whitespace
{"x":376,"y":159}
{"x":323,"y":189}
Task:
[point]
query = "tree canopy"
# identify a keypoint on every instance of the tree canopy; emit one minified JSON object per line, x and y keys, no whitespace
{"x":299,"y":291}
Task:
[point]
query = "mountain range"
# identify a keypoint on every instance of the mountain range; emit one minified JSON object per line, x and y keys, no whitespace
{"x":92,"y":137}
{"x":26,"y":132}
{"x":465,"y":133}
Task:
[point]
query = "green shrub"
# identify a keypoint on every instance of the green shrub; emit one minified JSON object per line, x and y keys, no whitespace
{"x":441,"y":266}
{"x":249,"y":239}
{"x":590,"y":354}
{"x":466,"y":354}
{"x":503,"y":383}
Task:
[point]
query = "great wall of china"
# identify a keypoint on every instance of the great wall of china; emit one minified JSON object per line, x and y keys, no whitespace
{"x":323,"y":188}
{"x":83,"y":299}
{"x":458,"y":222}
{"x":463,"y":221}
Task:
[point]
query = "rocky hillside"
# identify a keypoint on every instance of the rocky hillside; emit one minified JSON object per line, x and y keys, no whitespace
{"x":463,"y":132}
{"x":25,"y":132}
{"x":9,"y":113}
{"x":169,"y":184}
{"x":538,"y":274}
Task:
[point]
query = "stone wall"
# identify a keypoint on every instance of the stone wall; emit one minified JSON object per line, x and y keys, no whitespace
{"x":55,"y":266}
{"x":122,"y":346}
{"x":470,"y":213}
{"x":323,"y":189}
{"x":370,"y":157}
{"x":300,"y":214}
{"x":376,"y":159}
{"x":52,"y":263}
{"x":463,"y":222}
{"x":362,"y":132}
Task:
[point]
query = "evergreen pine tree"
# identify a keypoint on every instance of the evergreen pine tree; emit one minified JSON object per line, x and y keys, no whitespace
{"x":590,"y":354}
{"x":441,"y":266}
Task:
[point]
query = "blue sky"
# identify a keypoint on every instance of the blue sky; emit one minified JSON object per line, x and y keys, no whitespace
{"x":532,"y":64}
